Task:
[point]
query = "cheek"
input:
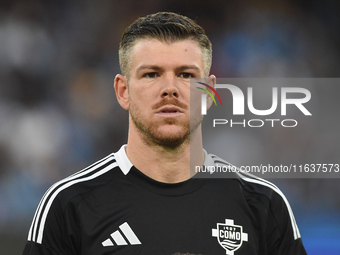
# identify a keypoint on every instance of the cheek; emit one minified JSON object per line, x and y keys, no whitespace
{"x":144,"y":97}
{"x":140,"y":102}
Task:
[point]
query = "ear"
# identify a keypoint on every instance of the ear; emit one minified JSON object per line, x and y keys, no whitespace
{"x":211,"y":81}
{"x":122,"y":92}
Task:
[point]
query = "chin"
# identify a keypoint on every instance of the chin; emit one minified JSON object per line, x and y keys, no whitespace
{"x":171,"y":142}
{"x":172,"y":138}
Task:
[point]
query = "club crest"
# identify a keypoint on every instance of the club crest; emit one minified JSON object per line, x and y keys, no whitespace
{"x":230,"y":236}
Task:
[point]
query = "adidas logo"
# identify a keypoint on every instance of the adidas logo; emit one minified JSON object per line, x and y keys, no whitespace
{"x":118,"y":239}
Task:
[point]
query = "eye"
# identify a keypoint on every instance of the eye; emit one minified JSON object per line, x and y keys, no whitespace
{"x":150,"y":75}
{"x":186,"y":75}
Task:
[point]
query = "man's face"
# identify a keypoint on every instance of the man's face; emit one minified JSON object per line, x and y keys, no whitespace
{"x":159,"y":89}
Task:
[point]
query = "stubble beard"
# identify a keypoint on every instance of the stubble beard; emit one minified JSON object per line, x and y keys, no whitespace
{"x":152,"y":136}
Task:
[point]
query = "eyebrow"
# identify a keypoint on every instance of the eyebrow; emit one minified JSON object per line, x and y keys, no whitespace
{"x":149,"y":67}
{"x":188,"y":67}
{"x":158,"y":68}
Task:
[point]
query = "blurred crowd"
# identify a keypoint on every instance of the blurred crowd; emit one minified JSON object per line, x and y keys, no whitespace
{"x":58,"y":59}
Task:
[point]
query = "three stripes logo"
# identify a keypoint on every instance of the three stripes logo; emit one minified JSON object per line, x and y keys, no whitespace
{"x":117,"y":237}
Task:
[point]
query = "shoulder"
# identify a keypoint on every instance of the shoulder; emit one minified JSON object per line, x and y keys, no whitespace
{"x":263,"y":193}
{"x":84,"y":181}
{"x":59,"y":195}
{"x":248,"y":182}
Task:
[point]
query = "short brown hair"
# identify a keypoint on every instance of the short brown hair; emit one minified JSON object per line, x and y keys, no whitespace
{"x":167,"y":27}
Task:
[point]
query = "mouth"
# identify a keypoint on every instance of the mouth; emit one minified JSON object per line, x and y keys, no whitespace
{"x":169,"y":111}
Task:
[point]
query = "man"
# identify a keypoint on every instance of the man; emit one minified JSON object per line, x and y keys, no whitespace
{"x":141,"y":200}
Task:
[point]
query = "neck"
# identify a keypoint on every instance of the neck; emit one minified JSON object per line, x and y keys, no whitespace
{"x":162,"y":163}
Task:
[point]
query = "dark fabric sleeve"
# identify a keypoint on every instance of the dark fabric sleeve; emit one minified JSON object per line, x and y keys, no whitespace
{"x":283,"y":236}
{"x":294,"y":247}
{"x":57,"y":237}
{"x":39,"y":249}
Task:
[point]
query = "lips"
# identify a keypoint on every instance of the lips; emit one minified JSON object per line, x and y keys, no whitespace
{"x":169,"y":111}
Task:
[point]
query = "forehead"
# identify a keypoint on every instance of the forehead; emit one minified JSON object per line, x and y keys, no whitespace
{"x":166,"y":55}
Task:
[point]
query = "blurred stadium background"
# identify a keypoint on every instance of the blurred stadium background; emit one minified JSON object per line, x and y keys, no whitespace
{"x":58,"y":111}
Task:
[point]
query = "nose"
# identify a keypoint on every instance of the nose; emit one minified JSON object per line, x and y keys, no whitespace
{"x":170,"y":88}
